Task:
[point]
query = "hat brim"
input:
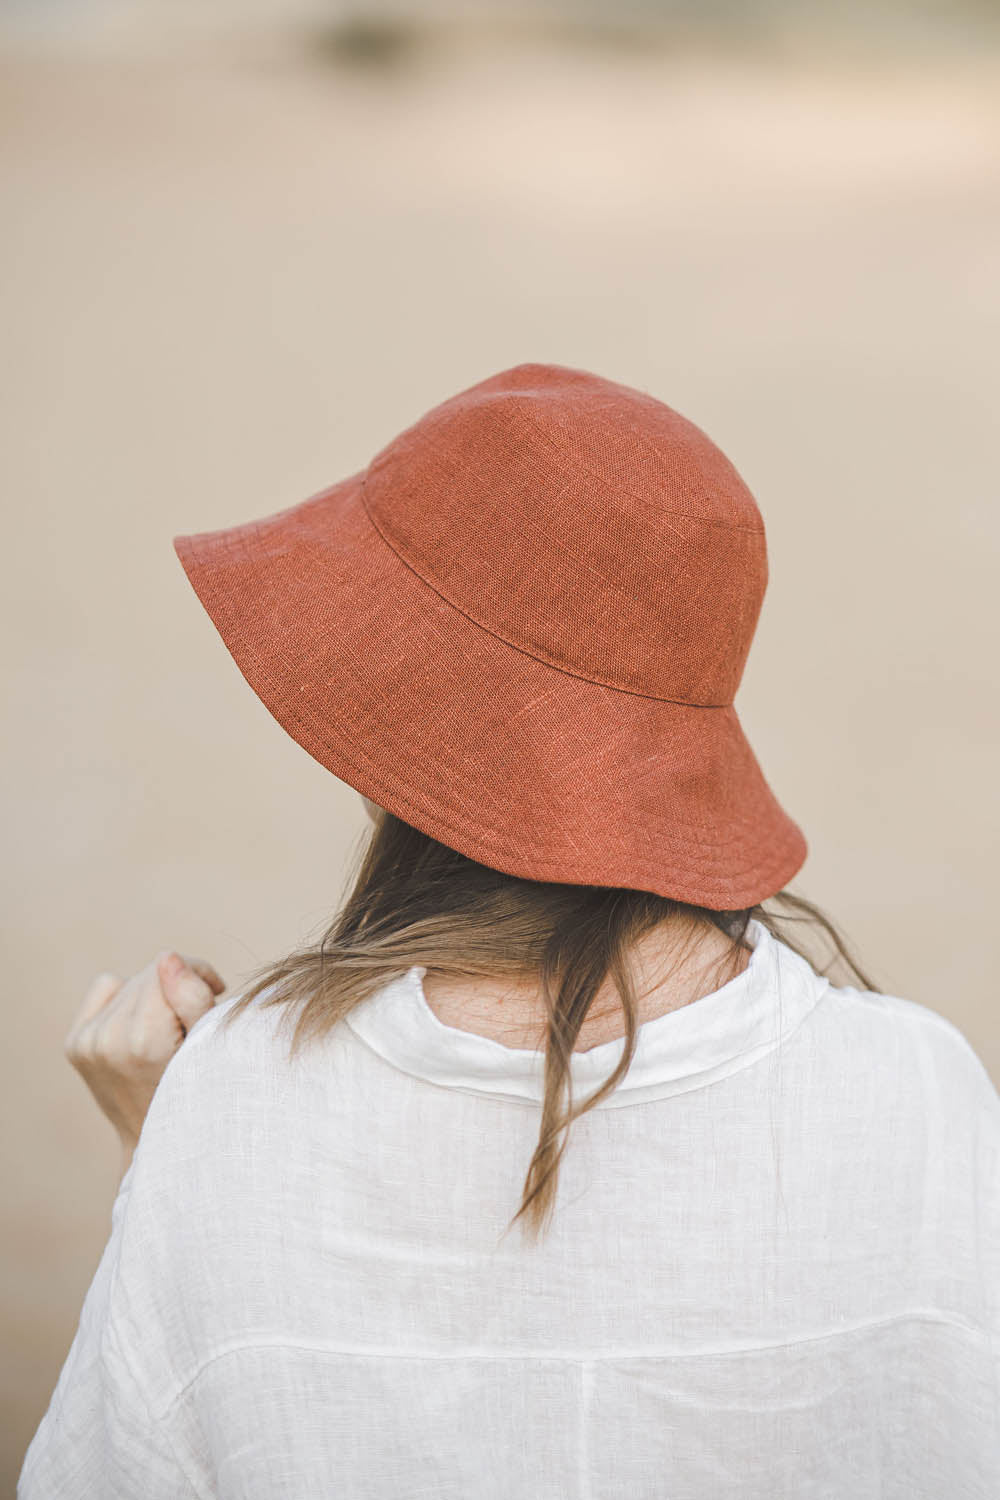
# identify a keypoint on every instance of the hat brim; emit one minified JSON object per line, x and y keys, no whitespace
{"x":515,"y":763}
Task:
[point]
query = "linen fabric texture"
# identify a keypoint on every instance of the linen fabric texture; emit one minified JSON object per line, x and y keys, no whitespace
{"x":773,"y":1271}
{"x":521,"y":629}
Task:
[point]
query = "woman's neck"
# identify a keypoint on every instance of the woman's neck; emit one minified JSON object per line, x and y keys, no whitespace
{"x":513,"y":1013}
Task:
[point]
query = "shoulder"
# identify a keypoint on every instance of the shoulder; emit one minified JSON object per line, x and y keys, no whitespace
{"x":235,"y":1028}
{"x":223,"y":1055}
{"x":920,"y":1045}
{"x":226,"y":1031}
{"x":930,"y":1032}
{"x":235,"y":1071}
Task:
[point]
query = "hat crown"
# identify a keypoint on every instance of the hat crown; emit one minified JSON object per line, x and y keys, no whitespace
{"x":586,"y":523}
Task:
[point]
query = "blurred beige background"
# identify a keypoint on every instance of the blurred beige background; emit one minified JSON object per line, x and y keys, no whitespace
{"x":246,"y":245}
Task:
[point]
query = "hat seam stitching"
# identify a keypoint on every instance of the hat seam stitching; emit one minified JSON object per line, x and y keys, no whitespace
{"x":305,"y":715}
{"x":542,"y":660}
{"x":387,"y":454}
{"x":320,"y":734}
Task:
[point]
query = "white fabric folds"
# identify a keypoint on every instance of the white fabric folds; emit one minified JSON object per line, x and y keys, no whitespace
{"x":773,"y":1270}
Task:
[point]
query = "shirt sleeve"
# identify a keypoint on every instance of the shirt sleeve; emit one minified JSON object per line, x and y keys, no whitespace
{"x":113,"y":1428}
{"x":97,"y":1438}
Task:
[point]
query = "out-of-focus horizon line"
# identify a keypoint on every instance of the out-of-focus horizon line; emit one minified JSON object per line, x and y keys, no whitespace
{"x":384,"y":31}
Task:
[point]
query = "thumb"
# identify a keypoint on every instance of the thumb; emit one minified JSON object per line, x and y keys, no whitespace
{"x":185,"y":990}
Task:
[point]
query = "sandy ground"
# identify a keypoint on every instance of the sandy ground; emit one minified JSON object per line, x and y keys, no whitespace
{"x":227,"y":281}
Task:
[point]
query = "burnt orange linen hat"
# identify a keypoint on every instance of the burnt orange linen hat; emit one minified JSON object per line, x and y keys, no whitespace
{"x":520,"y":629}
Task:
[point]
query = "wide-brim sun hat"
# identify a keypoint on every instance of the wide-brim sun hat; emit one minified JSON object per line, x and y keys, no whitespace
{"x":521,"y":629}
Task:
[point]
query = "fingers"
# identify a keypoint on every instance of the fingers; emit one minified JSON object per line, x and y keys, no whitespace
{"x":208,"y":973}
{"x":189,"y":985}
{"x":173,"y":991}
{"x":123,"y":1049}
{"x":100,"y":992}
{"x":170,"y":962}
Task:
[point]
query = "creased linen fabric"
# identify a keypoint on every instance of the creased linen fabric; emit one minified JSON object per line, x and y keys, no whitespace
{"x":773,"y":1271}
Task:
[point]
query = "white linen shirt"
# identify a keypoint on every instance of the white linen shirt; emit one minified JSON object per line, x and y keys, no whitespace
{"x":773,"y":1270}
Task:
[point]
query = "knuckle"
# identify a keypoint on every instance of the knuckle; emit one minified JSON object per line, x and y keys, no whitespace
{"x":115,"y":1050}
{"x":134,"y":1043}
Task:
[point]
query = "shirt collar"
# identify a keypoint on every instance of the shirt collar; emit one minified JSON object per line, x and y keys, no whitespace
{"x":685,"y":1049}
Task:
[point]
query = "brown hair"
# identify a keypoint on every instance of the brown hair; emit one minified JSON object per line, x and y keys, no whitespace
{"x":416,"y":901}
